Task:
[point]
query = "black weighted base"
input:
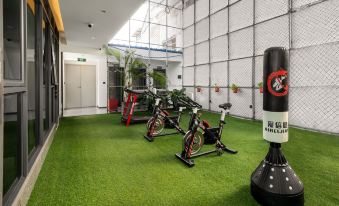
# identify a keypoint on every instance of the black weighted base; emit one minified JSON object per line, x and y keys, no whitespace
{"x":264,"y":197}
{"x":188,"y":162}
{"x":274,"y":182}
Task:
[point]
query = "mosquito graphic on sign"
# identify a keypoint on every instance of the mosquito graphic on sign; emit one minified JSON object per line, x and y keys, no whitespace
{"x":277,"y":83}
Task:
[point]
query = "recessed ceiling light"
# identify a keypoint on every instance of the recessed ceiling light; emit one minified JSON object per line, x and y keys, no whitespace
{"x":93,"y":37}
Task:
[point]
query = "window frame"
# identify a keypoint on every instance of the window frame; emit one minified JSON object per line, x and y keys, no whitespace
{"x":21,"y":82}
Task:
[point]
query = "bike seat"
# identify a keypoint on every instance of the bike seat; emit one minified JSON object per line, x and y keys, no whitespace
{"x":225,"y":106}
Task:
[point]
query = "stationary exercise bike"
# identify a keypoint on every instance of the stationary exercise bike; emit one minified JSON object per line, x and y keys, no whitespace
{"x":161,"y":119}
{"x":193,"y":142}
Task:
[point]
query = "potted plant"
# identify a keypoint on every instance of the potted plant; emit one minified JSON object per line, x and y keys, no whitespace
{"x":260,"y":85}
{"x":235,"y":88}
{"x":131,"y":70}
{"x":132,"y":66}
{"x":216,"y":88}
{"x":175,"y":95}
{"x":199,"y":89}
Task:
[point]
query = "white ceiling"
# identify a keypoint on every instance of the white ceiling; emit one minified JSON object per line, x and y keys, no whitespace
{"x":76,"y":15}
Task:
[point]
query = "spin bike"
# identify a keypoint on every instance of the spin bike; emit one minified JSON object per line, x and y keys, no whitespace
{"x":193,"y":140}
{"x":162,"y":119}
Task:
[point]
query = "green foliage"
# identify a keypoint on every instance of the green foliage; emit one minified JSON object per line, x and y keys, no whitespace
{"x":133,"y":65}
{"x":95,"y":160}
{"x":234,"y":87}
{"x":112,"y":52}
{"x":177,"y":94}
{"x":158,"y":77}
{"x":260,"y":84}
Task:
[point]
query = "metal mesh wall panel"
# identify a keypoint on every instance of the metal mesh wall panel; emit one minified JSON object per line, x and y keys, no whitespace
{"x":202,"y":53}
{"x":219,"y":49}
{"x":219,"y":23}
{"x":231,"y":49}
{"x":218,"y":98}
{"x":272,"y":33}
{"x":202,"y":9}
{"x":189,"y":56}
{"x":202,"y":97}
{"x":189,"y":36}
{"x":201,"y":75}
{"x":267,"y":9}
{"x":241,"y":43}
{"x":219,"y":74}
{"x":188,"y":76}
{"x":217,"y":5}
{"x":241,"y":15}
{"x":241,"y":103}
{"x":240,"y":72}
{"x":203,"y":34}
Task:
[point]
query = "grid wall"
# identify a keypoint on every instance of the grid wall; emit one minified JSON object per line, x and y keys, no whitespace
{"x":154,"y":33}
{"x":224,"y":42}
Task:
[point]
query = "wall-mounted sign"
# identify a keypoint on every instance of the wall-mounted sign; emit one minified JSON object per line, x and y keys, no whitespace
{"x":81,"y":60}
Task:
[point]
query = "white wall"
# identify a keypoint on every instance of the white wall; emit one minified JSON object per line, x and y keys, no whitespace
{"x":93,"y":57}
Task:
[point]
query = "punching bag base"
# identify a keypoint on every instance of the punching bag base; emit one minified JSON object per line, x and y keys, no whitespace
{"x":264,"y":197}
{"x":274,"y":182}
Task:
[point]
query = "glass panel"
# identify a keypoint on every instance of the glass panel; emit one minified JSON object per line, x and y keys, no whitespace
{"x":32,"y":141}
{"x":12,"y":39}
{"x":158,"y":34}
{"x":174,"y":17}
{"x":174,"y":38}
{"x":158,"y":14}
{"x":139,"y":31}
{"x":142,"y":13}
{"x":12,"y":143}
{"x":123,"y":33}
{"x":170,"y":3}
{"x":156,"y":83}
{"x":44,"y":96}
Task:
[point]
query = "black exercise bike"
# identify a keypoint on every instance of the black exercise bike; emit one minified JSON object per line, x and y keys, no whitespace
{"x":193,"y":140}
{"x":162,"y":119}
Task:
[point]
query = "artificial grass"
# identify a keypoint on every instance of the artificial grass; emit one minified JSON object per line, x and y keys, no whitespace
{"x":95,"y":160}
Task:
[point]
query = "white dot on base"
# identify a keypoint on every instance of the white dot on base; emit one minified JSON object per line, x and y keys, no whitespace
{"x":299,"y":182}
{"x":283,"y":170}
{"x":294,"y":175}
{"x":272,"y":169}
{"x":271,"y":186}
{"x":290,"y":187}
{"x":263,"y":165}
{"x":271,"y":177}
{"x":287,"y":179}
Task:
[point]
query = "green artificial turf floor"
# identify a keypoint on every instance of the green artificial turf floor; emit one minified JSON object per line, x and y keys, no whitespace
{"x":94,"y":160}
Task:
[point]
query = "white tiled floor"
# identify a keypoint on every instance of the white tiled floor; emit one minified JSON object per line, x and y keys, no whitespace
{"x":84,"y":111}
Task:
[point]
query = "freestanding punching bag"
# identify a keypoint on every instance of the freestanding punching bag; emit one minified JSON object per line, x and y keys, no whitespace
{"x":274,"y":182}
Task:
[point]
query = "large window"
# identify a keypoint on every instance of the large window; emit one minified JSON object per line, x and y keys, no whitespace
{"x":30,"y":90}
{"x":31,"y":84}
{"x":154,"y":35}
{"x":12,"y":159}
{"x":12,"y":39}
{"x":12,"y":141}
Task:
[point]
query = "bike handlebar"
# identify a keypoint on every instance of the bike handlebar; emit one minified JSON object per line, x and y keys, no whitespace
{"x":189,"y":102}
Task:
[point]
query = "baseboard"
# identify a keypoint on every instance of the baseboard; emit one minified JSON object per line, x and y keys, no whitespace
{"x":28,"y":185}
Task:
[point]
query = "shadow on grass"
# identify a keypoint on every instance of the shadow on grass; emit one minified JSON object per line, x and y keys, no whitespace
{"x":242,"y":196}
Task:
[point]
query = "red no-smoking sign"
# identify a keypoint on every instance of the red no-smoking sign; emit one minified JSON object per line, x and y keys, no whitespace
{"x":277,"y":83}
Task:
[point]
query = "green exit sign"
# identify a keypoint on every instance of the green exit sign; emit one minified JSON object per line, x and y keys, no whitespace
{"x":81,"y":60}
